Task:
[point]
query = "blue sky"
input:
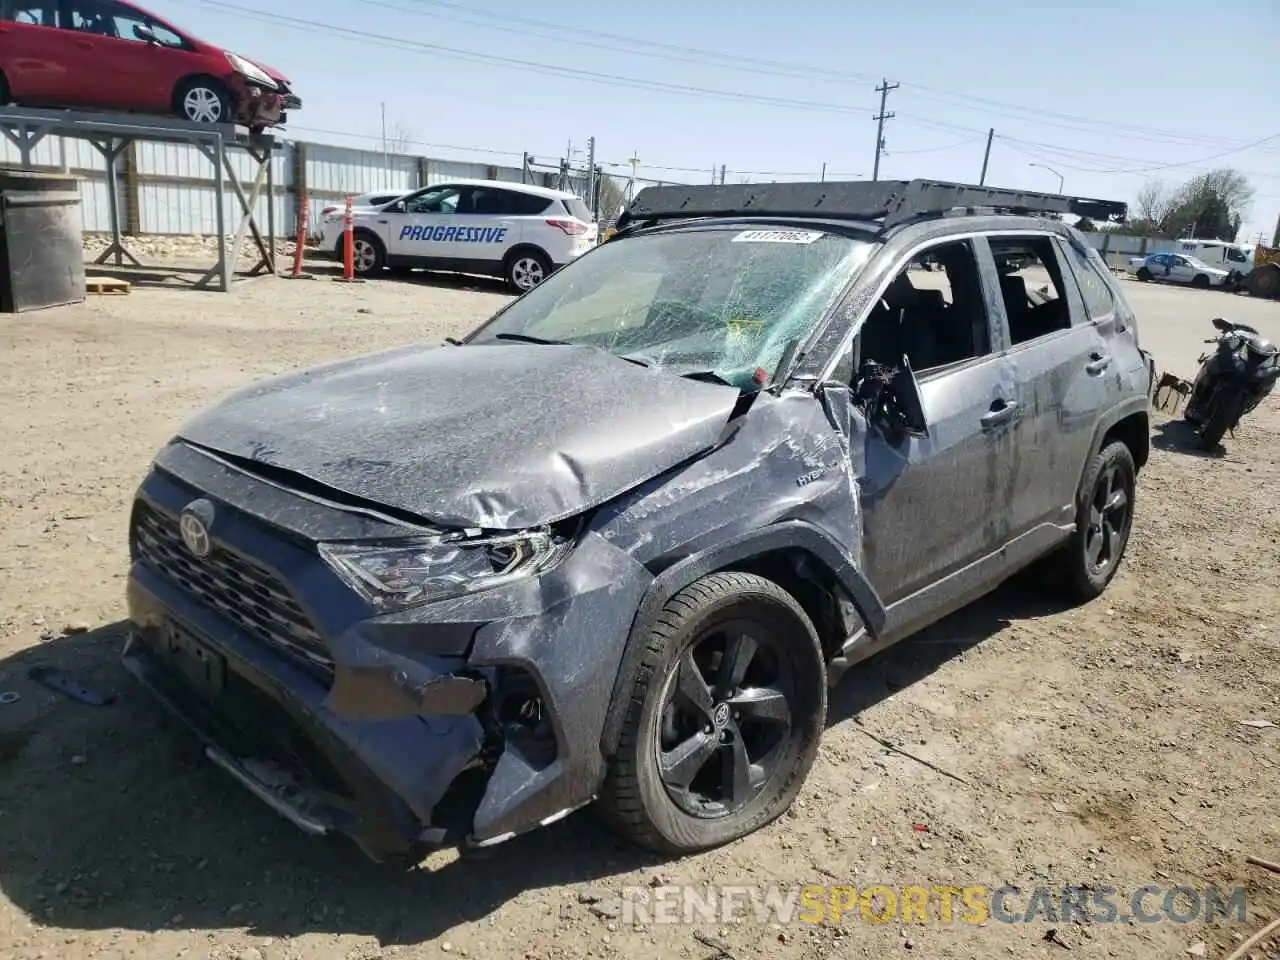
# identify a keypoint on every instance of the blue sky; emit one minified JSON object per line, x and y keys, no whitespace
{"x":1103,"y":92}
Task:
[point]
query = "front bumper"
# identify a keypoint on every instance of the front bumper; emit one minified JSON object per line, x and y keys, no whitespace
{"x":260,"y":107}
{"x":460,"y":722}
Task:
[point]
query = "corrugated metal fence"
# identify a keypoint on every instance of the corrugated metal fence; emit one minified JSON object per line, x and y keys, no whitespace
{"x":168,"y":188}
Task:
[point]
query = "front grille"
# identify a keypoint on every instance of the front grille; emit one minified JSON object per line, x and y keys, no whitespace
{"x":244,"y":592}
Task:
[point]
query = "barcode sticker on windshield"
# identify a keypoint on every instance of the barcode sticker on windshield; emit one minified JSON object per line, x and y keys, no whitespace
{"x":777,"y":236}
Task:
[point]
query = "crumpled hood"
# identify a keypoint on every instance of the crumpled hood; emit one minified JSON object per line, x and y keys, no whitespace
{"x":497,"y":436}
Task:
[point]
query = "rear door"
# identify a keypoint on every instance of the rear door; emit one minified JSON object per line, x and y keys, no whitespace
{"x":1060,"y":363}
{"x":34,"y":54}
{"x":485,"y":226}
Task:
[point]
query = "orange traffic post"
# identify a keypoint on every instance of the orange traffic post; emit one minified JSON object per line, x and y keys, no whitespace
{"x":300,"y":241}
{"x":348,"y":247}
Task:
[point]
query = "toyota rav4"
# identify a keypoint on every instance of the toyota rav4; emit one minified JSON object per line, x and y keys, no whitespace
{"x":614,"y":545}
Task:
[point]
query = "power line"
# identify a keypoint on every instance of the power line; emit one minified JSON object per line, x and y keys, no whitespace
{"x":575,"y":35}
{"x":418,"y":46}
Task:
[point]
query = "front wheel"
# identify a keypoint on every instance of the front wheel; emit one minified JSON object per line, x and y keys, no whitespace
{"x":1088,"y":561}
{"x":1200,"y":282}
{"x":1224,"y":410}
{"x":723,"y":717}
{"x":526,"y":269}
{"x":204,"y":101}
{"x":1144,"y":274}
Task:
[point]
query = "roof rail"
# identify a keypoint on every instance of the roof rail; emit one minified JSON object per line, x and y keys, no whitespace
{"x":891,"y":201}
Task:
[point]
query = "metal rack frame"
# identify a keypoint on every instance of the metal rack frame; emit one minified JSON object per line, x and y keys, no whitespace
{"x":111,"y":134}
{"x":889,"y":201}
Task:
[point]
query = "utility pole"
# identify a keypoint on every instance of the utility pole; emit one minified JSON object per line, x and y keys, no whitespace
{"x":631,"y":185}
{"x":880,"y":118}
{"x":722,"y":174}
{"x":823,"y":177}
{"x":386,"y":161}
{"x":591,"y":173}
{"x":982,"y":180}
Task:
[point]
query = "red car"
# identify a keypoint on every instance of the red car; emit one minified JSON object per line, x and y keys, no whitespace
{"x":106,"y":54}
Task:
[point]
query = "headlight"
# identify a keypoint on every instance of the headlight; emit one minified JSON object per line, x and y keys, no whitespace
{"x":403,"y":573}
{"x":247,"y":70}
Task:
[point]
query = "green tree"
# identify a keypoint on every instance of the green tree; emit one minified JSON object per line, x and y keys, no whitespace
{"x":1211,"y":206}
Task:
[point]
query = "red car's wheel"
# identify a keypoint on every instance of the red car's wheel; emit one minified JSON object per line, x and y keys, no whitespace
{"x":203,"y":100}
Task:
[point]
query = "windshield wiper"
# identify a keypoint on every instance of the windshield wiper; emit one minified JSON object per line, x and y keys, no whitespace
{"x":526,"y":338}
{"x":709,"y":375}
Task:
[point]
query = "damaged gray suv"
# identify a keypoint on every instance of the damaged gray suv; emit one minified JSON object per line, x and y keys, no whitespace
{"x":614,"y":545}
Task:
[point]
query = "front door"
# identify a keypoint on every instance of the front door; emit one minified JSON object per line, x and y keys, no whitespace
{"x":935,"y":508}
{"x":127,"y":72}
{"x":415,"y":228}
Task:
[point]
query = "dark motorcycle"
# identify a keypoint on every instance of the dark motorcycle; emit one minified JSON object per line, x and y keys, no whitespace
{"x":1232,"y":380}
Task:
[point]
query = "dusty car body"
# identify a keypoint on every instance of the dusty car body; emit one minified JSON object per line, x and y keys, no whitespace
{"x":449,"y":594}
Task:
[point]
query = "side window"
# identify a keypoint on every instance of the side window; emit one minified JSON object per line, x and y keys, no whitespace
{"x":1031,"y":286}
{"x":1098,"y":300}
{"x":126,"y":21}
{"x":88,"y":16}
{"x":495,"y":202}
{"x":36,"y":13}
{"x":527,"y":204}
{"x":932,"y":313}
{"x":1236,"y":255}
{"x":435,"y":200}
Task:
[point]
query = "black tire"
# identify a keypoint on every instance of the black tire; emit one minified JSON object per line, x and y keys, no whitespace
{"x":203,"y":100}
{"x":369,"y":256}
{"x":682,"y":648}
{"x":1200,"y":281}
{"x":4,"y":91}
{"x":1144,"y":274}
{"x":525,"y":268}
{"x":1224,"y":409}
{"x":1088,"y":561}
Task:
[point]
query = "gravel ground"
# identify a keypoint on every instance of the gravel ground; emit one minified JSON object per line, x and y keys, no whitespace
{"x":1099,"y":745}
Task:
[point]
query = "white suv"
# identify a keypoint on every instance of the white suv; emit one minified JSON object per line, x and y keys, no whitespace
{"x":511,"y":230}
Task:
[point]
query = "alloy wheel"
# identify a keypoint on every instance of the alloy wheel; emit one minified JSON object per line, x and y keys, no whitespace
{"x":363,"y":255}
{"x":1110,"y":510}
{"x":527,"y":273}
{"x":202,"y":105}
{"x":725,"y":719}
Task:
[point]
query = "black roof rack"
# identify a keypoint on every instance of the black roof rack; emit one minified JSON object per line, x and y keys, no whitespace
{"x":890,"y":201}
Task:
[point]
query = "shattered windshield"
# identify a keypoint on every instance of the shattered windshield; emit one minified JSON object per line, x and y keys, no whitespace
{"x":716,"y":300}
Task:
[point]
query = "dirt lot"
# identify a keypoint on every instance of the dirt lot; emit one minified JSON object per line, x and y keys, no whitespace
{"x":1098,"y":745}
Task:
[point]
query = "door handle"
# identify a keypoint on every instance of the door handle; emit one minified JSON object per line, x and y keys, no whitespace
{"x":1098,"y":363}
{"x":84,"y":44}
{"x":1002,"y":411}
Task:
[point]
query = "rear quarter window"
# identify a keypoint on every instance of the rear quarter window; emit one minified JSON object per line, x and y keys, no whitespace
{"x":577,"y":209}
{"x":1098,"y":299}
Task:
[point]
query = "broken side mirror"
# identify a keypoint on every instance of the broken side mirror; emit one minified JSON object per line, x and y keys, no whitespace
{"x":837,"y":403}
{"x":900,"y":411}
{"x":144,"y":33}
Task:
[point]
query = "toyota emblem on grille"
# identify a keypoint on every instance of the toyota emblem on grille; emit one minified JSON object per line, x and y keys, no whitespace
{"x":194,"y":526}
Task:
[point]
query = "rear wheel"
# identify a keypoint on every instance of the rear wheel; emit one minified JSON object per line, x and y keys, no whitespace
{"x":1144,"y":274}
{"x":1088,"y":561}
{"x":527,"y":268}
{"x":724,"y":716}
{"x":367,"y":255}
{"x":204,"y":100}
{"x":1224,"y":409}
